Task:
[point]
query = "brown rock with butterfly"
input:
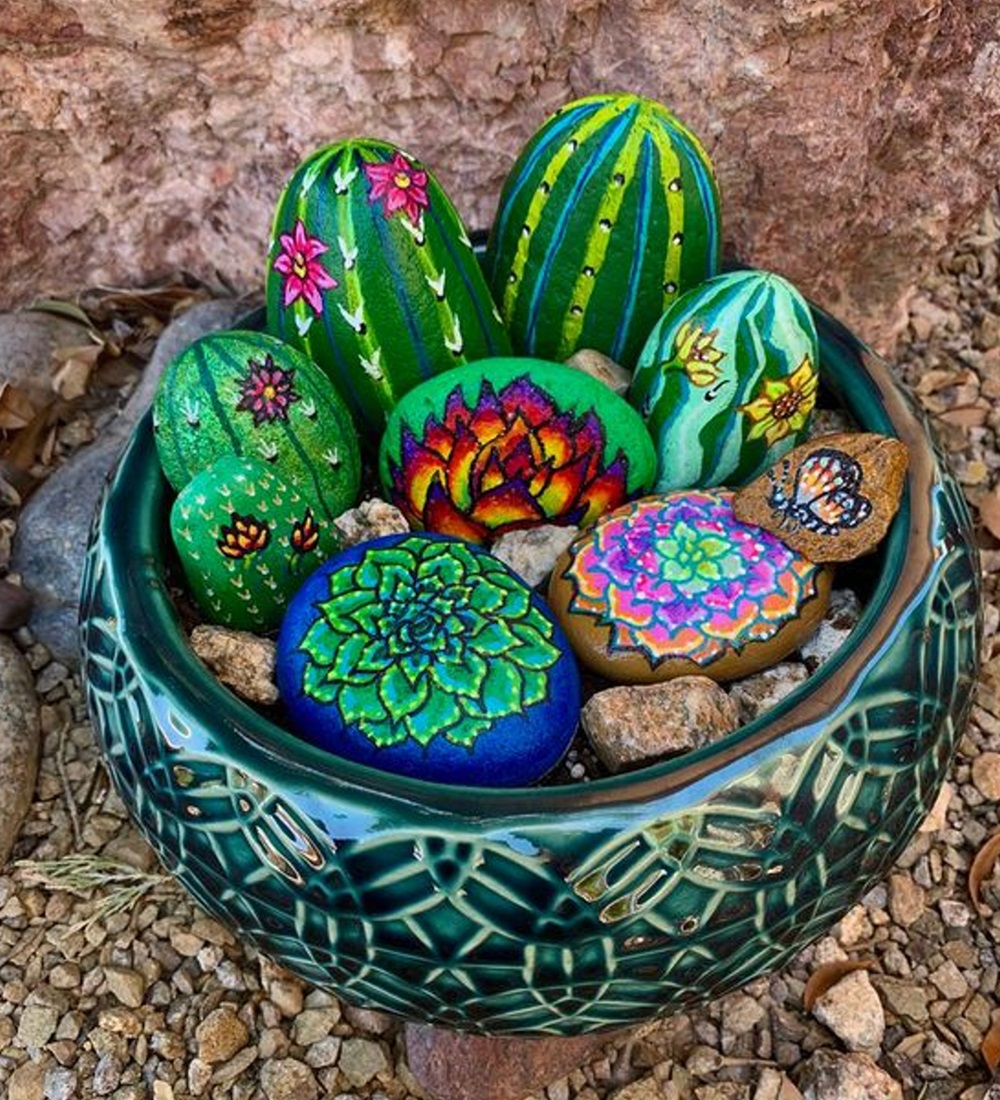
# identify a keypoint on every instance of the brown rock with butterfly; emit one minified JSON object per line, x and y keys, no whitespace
{"x":832,"y":498}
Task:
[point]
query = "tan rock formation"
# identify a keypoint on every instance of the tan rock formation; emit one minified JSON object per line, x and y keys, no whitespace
{"x":852,"y":137}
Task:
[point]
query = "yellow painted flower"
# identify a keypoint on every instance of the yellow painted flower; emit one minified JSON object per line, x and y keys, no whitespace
{"x":782,"y":405}
{"x":695,"y":350}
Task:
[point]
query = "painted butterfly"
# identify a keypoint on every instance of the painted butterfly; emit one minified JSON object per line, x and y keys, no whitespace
{"x":824,"y":497}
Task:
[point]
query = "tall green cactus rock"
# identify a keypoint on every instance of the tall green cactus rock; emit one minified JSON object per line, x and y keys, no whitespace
{"x":371,"y":272}
{"x":610,"y":212}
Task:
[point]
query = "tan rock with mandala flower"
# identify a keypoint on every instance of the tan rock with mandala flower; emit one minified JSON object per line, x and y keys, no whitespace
{"x":832,"y":498}
{"x":674,"y":585}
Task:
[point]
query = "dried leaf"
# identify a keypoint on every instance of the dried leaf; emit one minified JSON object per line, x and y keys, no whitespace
{"x":982,"y":867}
{"x":936,"y":819}
{"x":73,"y":370}
{"x":827,"y":976}
{"x":62,"y":308}
{"x":23,"y":451}
{"x":989,"y":512}
{"x":989,"y":1048}
{"x":18,"y":407}
{"x":965,"y":416}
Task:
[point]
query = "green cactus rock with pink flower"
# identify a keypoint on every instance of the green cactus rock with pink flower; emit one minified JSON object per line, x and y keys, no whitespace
{"x":371,"y":272}
{"x":250,"y":394}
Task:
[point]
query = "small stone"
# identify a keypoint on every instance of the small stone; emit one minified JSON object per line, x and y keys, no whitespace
{"x":867,"y":471}
{"x":940,"y":1054}
{"x":15,"y":605}
{"x":36,"y":1025}
{"x":830,"y":1075}
{"x":121,"y":1021}
{"x":756,"y":694}
{"x":107,"y":1074}
{"x":286,"y":995}
{"x":314,"y":1024}
{"x":948,"y":978}
{"x":240,"y":1061}
{"x":288,"y":1079}
{"x":27,"y":1082}
{"x":741,"y":1013}
{"x":368,"y":1019}
{"x":907,"y":899}
{"x":955,"y":914}
{"x":839,"y":621}
{"x":852,"y":1011}
{"x":54,"y":674}
{"x":241,"y":660}
{"x":646,"y":1088}
{"x":324,"y":1052}
{"x":162,"y":1090}
{"x":370,"y":520}
{"x":184,"y":943}
{"x":20,"y":739}
{"x":532,"y":552}
{"x":220,"y":1035}
{"x":603,"y":368}
{"x":360,"y":1060}
{"x":904,"y":999}
{"x":986,"y":775}
{"x":853,"y":927}
{"x":127,"y":985}
{"x":60,"y":1083}
{"x":65,"y":975}
{"x":633,"y":725}
{"x":199,"y":1076}
{"x":938,"y":815}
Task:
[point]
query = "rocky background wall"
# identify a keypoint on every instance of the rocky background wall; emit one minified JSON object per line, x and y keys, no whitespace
{"x":852,"y":138}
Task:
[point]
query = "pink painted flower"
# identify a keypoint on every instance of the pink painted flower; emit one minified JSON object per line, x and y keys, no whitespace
{"x":266,"y":391}
{"x":304,"y":275}
{"x":400,"y":185}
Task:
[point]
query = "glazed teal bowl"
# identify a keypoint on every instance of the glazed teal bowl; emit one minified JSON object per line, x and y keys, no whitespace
{"x":557,"y":910}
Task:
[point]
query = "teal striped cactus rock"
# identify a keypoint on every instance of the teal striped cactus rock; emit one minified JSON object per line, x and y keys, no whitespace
{"x":610,"y":212}
{"x":248,"y":393}
{"x":727,"y":380}
{"x":371,"y":271}
{"x":246,"y":541}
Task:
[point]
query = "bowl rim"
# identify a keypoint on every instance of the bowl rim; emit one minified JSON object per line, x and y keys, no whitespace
{"x":136,"y":540}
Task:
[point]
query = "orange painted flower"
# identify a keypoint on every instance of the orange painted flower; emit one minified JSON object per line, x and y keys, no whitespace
{"x":305,"y":533}
{"x":509,"y":459}
{"x":782,"y":405}
{"x":245,"y":536}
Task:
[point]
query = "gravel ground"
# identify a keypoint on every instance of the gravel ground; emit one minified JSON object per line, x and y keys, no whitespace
{"x":155,"y":1001}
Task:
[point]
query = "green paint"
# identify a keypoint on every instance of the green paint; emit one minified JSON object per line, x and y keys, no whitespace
{"x":246,"y":540}
{"x":248,"y":393}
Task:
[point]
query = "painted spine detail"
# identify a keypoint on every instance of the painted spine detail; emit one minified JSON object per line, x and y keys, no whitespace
{"x":727,"y":381}
{"x":610,"y":212}
{"x":247,"y":393}
{"x":371,"y":272}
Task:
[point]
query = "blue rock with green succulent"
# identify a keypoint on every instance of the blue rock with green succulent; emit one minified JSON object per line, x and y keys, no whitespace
{"x":246,"y":541}
{"x":427,"y":656}
{"x":727,"y":380}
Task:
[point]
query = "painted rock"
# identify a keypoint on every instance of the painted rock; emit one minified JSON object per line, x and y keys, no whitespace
{"x":674,"y":585}
{"x":246,"y":540}
{"x":247,"y":393}
{"x":509,"y":443}
{"x":610,"y":212}
{"x":371,"y":272}
{"x":428,"y":657}
{"x":831,"y":499}
{"x":727,"y":380}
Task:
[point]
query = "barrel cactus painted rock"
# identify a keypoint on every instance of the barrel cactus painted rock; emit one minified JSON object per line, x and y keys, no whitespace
{"x":509,"y":443}
{"x":428,"y":657}
{"x":371,"y":272}
{"x":674,"y":585}
{"x":727,"y":380}
{"x":610,"y":212}
{"x":248,"y":393}
{"x":246,"y":541}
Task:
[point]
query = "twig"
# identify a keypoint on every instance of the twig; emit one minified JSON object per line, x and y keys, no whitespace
{"x":74,"y":815}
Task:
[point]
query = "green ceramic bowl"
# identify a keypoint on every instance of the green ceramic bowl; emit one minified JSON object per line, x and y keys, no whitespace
{"x":550,"y":910}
